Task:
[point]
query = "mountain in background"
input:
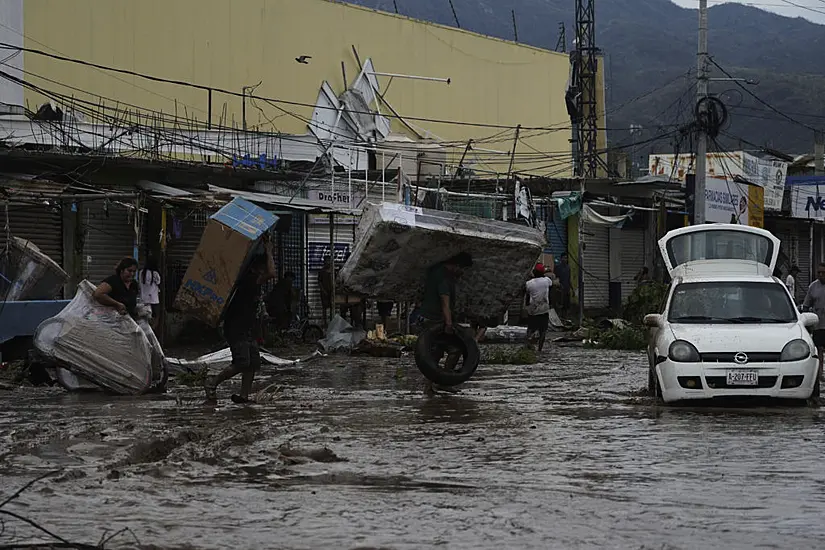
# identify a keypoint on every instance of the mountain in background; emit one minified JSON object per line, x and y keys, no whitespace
{"x":650,"y":46}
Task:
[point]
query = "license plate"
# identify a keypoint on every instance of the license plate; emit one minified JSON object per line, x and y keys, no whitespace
{"x":743,"y":378}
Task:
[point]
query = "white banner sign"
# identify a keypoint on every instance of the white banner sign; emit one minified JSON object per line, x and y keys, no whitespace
{"x":340,"y":197}
{"x":726,"y":201}
{"x":768,"y":174}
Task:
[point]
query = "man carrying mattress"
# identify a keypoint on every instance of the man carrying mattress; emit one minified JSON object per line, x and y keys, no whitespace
{"x":438,"y":305}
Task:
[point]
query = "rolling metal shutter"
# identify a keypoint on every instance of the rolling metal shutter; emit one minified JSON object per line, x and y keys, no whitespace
{"x":39,"y":224}
{"x":596,"y":263}
{"x":803,"y":260}
{"x":794,"y":250}
{"x":556,"y":230}
{"x":108,"y":238}
{"x":633,"y":259}
{"x":317,"y":242}
{"x":185,"y":229}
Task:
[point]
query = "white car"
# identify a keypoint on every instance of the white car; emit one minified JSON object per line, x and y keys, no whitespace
{"x":728,"y":328}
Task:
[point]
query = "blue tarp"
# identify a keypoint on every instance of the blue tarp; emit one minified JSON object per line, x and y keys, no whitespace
{"x":23,"y":318}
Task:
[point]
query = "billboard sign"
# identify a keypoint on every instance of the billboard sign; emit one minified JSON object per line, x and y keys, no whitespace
{"x":807,"y":197}
{"x":768,"y":174}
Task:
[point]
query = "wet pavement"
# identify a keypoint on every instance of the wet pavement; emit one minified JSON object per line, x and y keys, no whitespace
{"x":350,"y":453}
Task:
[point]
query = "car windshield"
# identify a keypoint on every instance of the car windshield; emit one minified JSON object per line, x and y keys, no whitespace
{"x":731,"y":302}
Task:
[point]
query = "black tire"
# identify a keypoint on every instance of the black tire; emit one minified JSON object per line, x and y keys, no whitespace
{"x":658,"y":390}
{"x":651,"y":381}
{"x":429,"y":366}
{"x":815,"y":393}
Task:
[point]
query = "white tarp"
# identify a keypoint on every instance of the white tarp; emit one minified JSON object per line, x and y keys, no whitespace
{"x":101,"y":345}
{"x":591,"y":216}
{"x":220,"y":359}
{"x":341,"y":336}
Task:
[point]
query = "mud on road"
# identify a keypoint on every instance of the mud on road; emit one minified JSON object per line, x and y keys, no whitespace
{"x":350,"y":453}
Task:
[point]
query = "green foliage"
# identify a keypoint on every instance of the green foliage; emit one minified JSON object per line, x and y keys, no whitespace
{"x":646,"y":298}
{"x":502,"y":355}
{"x":629,"y":338}
{"x":192,"y":378}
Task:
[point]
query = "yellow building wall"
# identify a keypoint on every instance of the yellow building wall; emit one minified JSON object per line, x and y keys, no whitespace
{"x":230,"y":44}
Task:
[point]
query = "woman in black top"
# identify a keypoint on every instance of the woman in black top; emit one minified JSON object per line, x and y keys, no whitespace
{"x":120,"y":291}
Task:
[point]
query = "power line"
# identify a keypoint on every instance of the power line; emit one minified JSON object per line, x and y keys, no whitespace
{"x":267,"y":99}
{"x":759,"y":99}
{"x":794,"y":4}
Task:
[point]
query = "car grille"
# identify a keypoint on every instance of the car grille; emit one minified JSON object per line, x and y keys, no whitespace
{"x":727,"y":357}
{"x":721,"y":382}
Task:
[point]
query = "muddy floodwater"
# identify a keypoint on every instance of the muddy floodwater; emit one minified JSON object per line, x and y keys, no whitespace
{"x":350,"y":453}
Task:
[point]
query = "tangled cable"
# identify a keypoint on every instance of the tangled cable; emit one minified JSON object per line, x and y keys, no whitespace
{"x":711,"y":115}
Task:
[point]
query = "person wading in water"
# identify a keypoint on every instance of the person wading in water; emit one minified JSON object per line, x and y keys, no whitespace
{"x":239,"y":327}
{"x":438,"y":306}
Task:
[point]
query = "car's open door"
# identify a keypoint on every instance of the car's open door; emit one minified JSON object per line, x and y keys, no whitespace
{"x":719,"y":249}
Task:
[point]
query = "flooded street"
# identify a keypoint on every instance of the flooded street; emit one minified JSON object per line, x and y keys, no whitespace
{"x":351,"y":453}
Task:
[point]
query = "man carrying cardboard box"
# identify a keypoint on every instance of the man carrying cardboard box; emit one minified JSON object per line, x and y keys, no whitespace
{"x":238,"y":327}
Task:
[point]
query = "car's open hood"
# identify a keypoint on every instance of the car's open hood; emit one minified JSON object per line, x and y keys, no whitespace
{"x":719,"y":248}
{"x":713,"y":338}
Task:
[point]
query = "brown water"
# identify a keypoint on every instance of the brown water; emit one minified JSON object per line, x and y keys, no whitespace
{"x":567,"y":454}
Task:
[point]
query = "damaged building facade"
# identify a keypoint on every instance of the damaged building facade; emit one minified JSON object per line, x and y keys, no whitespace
{"x":311,"y":108}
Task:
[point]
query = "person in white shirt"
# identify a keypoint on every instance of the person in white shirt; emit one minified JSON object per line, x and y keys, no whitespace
{"x":790,"y":282}
{"x":537,"y":303}
{"x":149,"y":283}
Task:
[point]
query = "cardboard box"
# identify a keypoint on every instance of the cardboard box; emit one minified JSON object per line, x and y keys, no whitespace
{"x":225,"y":249}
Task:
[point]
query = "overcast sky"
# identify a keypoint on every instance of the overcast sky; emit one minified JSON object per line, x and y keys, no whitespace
{"x":813,"y":10}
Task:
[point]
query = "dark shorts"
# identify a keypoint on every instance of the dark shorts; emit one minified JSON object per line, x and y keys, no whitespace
{"x":538,"y":323}
{"x":245,"y":353}
{"x":819,"y":338}
{"x":155,"y":311}
{"x":385,"y":309}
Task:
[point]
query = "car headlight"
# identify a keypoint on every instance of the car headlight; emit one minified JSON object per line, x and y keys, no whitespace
{"x":683,"y":352}
{"x":795,"y":350}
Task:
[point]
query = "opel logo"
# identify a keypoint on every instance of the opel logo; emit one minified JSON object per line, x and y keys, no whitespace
{"x":741,"y":358}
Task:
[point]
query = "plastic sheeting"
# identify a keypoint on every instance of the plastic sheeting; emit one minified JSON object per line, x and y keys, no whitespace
{"x":28,"y":274}
{"x":396,"y":244}
{"x":101,"y":345}
{"x":341,"y":336}
{"x":218,"y":360}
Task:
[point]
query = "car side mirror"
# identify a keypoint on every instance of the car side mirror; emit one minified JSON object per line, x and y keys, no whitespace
{"x":654,"y":320}
{"x":810,"y":320}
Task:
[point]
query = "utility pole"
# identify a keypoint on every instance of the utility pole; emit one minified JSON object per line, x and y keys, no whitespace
{"x":702,"y":138}
{"x":819,"y":153}
{"x":585,"y":70}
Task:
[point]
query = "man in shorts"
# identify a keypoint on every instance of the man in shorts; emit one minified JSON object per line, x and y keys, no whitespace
{"x":538,"y":305}
{"x":815,"y":301}
{"x":239,"y":328}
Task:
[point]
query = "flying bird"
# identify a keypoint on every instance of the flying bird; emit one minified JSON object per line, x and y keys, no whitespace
{"x":303,"y":59}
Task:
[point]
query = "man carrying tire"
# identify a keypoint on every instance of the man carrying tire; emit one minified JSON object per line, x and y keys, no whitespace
{"x":438,"y":306}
